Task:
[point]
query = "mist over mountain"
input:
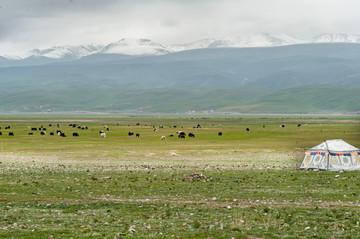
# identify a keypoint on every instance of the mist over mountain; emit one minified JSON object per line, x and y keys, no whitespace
{"x":301,"y":78}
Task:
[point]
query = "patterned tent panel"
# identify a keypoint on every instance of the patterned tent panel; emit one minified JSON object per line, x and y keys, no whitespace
{"x":314,"y":160}
{"x":331,"y":161}
{"x":340,"y":161}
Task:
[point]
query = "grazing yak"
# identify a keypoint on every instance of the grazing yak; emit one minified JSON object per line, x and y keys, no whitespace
{"x":220,"y":133}
{"x":181,"y":135}
{"x":31,"y":133}
{"x":34,"y":129}
{"x":163,"y":137}
{"x":191,"y":135}
{"x":42,"y":133}
{"x":171,"y":135}
{"x":103,"y":135}
{"x":51,"y":133}
{"x":0,"y":133}
{"x":282,"y":126}
{"x":247,"y":129}
{"x":299,"y":125}
{"x":137,"y":135}
{"x":75,"y":135}
{"x":62,"y":134}
{"x":131,"y":133}
{"x":11,"y":134}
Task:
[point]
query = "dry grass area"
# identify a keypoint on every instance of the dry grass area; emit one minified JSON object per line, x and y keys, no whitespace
{"x":166,"y":160}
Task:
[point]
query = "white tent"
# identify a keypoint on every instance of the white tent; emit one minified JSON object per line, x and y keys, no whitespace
{"x":332,"y":155}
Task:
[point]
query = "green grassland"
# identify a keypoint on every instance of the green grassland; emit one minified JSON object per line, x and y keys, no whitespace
{"x":311,"y":99}
{"x":127,"y":187}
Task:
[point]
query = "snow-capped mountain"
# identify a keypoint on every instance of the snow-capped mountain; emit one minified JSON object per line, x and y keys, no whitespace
{"x":256,"y":40}
{"x":328,"y":38}
{"x":205,"y":43}
{"x":135,"y":47}
{"x":58,"y":52}
{"x":146,"y":47}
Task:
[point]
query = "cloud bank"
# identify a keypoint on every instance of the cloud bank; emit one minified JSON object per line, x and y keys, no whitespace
{"x":27,"y":24}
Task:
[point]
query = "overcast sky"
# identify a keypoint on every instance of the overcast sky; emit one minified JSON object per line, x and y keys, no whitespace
{"x":28,"y":24}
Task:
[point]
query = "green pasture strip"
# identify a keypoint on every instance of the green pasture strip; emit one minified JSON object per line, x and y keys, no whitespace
{"x":37,"y":202}
{"x":163,"y":220}
{"x":62,"y":183}
{"x":118,"y":143}
{"x":174,"y":117}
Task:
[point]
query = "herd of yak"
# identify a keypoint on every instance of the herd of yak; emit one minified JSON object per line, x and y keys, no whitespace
{"x":180,"y":134}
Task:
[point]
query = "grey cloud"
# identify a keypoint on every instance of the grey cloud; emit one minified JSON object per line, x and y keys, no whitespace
{"x":170,"y":22}
{"x":42,"y":23}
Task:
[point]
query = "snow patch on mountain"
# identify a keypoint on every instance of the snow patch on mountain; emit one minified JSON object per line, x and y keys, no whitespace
{"x":135,"y":47}
{"x":205,"y":43}
{"x":258,"y":40}
{"x":329,"y":38}
{"x":14,"y":57}
{"x":58,"y":52}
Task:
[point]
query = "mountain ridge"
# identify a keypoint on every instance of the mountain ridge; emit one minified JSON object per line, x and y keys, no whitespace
{"x":145,"y":47}
{"x":303,"y":78}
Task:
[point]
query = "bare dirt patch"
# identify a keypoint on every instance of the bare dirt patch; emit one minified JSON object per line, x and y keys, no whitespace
{"x":195,"y":177}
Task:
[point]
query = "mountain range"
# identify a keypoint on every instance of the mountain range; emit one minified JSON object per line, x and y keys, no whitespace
{"x":260,"y":73}
{"x":299,"y":78}
{"x":146,"y":47}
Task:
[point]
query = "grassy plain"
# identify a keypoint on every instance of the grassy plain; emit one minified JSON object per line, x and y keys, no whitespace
{"x":127,"y":187}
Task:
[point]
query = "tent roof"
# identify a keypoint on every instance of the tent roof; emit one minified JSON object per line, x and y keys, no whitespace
{"x":337,"y":145}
